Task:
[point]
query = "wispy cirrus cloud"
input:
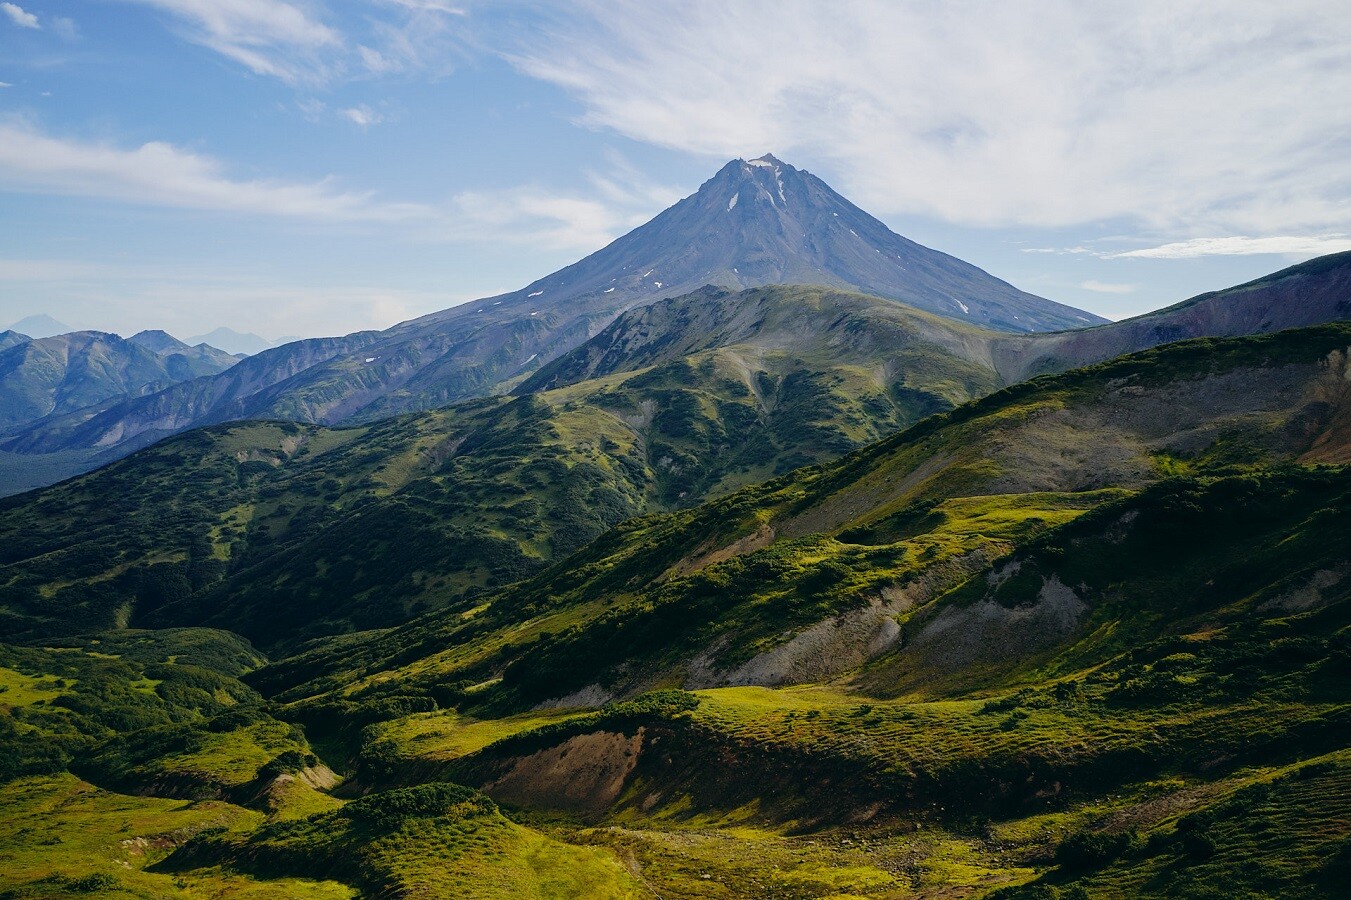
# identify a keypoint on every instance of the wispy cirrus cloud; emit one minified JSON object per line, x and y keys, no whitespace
{"x":161,"y":174}
{"x":1177,"y":116}
{"x":1287,"y":245}
{"x":1301,"y":246}
{"x":269,"y":37}
{"x":361,"y":115}
{"x":164,"y":175}
{"x":305,"y":44}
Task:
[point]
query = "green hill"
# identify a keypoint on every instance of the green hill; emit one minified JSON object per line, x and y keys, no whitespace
{"x":1086,"y":636}
{"x":906,"y":673}
{"x":284,"y":531}
{"x":967,"y":485}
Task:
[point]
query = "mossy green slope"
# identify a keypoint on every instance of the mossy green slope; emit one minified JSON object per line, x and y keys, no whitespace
{"x":187,"y":786}
{"x":1073,"y":685}
{"x":885,"y":522}
{"x":1111,"y":757}
{"x":285,"y":532}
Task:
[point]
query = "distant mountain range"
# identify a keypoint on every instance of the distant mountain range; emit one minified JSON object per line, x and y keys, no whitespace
{"x":66,"y":373}
{"x":232,"y":341}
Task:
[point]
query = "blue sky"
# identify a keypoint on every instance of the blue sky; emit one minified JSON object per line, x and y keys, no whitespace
{"x":310,"y":167}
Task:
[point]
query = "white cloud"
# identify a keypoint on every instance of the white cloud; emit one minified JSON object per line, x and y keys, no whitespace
{"x":19,"y":16}
{"x":294,"y":42}
{"x":1059,"y":251}
{"x":1307,"y":247}
{"x":1176,"y":116}
{"x":430,"y":6}
{"x":5,"y":84}
{"x":65,"y":28}
{"x":362,"y":115}
{"x":422,"y":37}
{"x":1102,"y":287}
{"x":269,"y":37}
{"x":533,"y":215}
{"x":619,"y":200}
{"x":160,"y":174}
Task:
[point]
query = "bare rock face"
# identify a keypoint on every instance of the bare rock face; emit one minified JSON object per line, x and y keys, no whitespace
{"x":987,"y":632}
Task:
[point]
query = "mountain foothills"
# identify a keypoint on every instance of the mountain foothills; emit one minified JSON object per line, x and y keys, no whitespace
{"x":825,"y":575}
{"x":285,"y":532}
{"x":1083,"y":637}
{"x":755,"y":223}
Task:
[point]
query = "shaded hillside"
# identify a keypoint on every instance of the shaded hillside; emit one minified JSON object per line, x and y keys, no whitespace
{"x":811,"y":324}
{"x":754,"y":223}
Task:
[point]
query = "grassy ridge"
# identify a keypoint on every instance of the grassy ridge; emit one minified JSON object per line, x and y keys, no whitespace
{"x":285,"y":532}
{"x":767,"y":550}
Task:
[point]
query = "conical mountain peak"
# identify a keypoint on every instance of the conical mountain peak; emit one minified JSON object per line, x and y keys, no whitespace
{"x":755,"y":223}
{"x":762,"y":221}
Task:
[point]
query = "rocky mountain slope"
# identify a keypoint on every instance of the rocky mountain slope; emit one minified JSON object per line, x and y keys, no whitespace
{"x":756,"y":222}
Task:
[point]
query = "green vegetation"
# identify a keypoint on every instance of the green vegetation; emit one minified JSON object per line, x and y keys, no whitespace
{"x":284,"y":532}
{"x":62,"y":837}
{"x":440,"y":840}
{"x":1087,"y":637}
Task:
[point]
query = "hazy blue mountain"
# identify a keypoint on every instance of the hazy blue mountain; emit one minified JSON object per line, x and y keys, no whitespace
{"x":40,"y":326}
{"x":232,"y":341}
{"x":1305,"y":294}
